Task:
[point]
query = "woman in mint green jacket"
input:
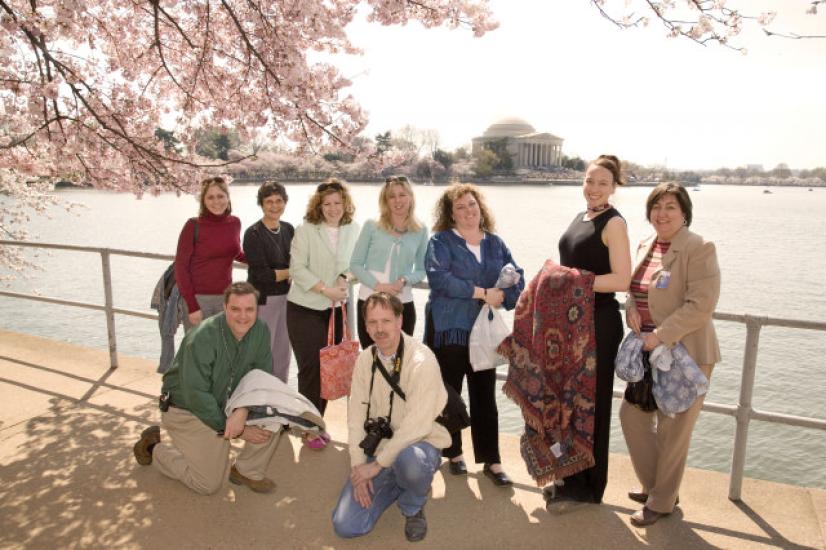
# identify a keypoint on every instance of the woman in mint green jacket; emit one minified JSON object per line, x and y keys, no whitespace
{"x":319,"y":265}
{"x":389,"y":254}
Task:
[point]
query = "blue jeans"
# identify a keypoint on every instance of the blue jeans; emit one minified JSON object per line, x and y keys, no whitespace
{"x":406,"y":481}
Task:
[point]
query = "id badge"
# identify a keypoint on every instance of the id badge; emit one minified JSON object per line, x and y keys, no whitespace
{"x":665,"y":277}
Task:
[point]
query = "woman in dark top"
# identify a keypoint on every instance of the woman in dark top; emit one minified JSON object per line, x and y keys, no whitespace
{"x":207,"y":247}
{"x":597,"y":241}
{"x":267,"y":247}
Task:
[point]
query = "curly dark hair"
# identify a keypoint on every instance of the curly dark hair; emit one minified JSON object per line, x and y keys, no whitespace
{"x":328,"y":187}
{"x":443,"y":211}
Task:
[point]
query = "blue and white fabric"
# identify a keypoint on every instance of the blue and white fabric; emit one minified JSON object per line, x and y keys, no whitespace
{"x":678,"y":381}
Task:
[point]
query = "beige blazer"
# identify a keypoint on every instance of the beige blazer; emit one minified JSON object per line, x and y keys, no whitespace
{"x":682,"y":311}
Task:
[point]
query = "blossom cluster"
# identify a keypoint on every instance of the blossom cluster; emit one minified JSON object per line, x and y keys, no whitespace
{"x":84,"y":85}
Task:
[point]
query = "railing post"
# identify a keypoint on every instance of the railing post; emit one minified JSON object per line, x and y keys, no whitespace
{"x":352,"y":308}
{"x":744,"y":409}
{"x":109,"y":304}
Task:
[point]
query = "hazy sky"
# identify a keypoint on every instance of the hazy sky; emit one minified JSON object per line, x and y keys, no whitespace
{"x":635,"y":93}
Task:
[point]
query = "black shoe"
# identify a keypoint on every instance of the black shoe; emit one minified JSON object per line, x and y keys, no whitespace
{"x":458,"y":468}
{"x":499,"y":479}
{"x":415,"y":526}
{"x":150,"y":437}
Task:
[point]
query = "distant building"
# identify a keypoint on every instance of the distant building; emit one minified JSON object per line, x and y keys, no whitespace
{"x":528,"y":148}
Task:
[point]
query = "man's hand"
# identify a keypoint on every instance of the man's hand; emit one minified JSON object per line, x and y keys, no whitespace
{"x":256,"y":435}
{"x":235,"y":423}
{"x":361,"y":477}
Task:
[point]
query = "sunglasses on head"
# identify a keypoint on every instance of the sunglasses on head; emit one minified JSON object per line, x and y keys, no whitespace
{"x":335,"y":186}
{"x":396,"y":179}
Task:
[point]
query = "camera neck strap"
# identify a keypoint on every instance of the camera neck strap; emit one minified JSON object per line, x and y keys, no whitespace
{"x":392,"y":380}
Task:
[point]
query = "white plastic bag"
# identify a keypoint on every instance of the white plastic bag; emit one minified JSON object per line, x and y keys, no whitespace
{"x":487,"y":333}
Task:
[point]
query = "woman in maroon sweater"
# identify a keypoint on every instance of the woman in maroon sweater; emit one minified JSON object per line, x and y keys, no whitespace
{"x":203,"y":261}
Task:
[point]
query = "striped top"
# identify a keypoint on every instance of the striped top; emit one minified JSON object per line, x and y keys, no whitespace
{"x":642,"y":280}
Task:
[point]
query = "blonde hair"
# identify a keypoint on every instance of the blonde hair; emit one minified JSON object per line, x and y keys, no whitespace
{"x":443,"y":211}
{"x":205,"y":185}
{"x":328,"y":187}
{"x":385,"y":219}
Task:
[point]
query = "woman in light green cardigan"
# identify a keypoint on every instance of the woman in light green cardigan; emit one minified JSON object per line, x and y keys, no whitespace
{"x":389,"y":254}
{"x":319,"y":264}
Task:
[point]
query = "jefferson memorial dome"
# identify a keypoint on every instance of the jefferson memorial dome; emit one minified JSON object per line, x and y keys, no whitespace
{"x":528,"y":148}
{"x":509,"y":127}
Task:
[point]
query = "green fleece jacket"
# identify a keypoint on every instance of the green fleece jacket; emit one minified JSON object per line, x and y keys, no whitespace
{"x":209,"y":364}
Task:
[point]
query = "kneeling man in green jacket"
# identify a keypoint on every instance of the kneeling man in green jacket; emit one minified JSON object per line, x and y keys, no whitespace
{"x":212,"y":358}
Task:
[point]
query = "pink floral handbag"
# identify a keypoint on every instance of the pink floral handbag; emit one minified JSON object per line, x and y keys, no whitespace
{"x":338,"y":360}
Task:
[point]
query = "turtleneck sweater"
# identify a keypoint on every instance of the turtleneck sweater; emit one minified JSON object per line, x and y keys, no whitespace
{"x":205,"y":266}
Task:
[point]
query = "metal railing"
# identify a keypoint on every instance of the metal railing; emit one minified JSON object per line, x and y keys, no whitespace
{"x":743,"y":412}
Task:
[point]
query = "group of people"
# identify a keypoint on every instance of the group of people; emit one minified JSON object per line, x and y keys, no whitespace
{"x":297,"y":278}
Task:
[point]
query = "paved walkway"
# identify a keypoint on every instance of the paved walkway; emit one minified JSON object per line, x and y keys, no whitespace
{"x":68,"y":480}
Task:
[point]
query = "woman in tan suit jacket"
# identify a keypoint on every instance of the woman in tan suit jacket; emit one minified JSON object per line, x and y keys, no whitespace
{"x":672,"y":297}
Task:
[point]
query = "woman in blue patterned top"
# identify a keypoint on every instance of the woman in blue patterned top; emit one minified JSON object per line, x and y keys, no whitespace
{"x":463,"y":262}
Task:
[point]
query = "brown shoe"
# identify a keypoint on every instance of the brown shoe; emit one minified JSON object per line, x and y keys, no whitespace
{"x":646,"y":516}
{"x":258,"y":485}
{"x":150,"y":437}
{"x":641,"y":497}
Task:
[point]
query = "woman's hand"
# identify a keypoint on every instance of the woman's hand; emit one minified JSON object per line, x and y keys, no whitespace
{"x":195,"y":317}
{"x":650,"y":341}
{"x":392,"y":290}
{"x":494,"y":297}
{"x":335,"y":293}
{"x":633,"y":319}
{"x":281,"y":275}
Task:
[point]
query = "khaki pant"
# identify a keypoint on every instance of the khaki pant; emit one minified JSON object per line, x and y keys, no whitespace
{"x":658,"y":445}
{"x":199,"y":458}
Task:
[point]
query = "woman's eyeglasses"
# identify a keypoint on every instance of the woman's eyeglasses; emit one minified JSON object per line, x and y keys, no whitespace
{"x":324,"y":187}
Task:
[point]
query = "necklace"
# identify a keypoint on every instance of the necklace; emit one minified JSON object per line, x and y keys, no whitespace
{"x":599,"y":208}
{"x":275,"y":231}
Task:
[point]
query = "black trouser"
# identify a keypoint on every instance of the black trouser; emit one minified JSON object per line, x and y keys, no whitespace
{"x":589,"y":485}
{"x":307,"y":329}
{"x":454,"y":362}
{"x":408,"y":322}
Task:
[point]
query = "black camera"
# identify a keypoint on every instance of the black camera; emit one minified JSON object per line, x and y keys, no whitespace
{"x":377,"y":429}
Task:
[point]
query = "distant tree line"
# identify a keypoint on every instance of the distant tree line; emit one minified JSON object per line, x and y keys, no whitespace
{"x":416,"y":153}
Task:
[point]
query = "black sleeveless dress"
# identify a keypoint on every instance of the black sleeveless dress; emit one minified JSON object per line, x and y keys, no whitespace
{"x":581,"y":247}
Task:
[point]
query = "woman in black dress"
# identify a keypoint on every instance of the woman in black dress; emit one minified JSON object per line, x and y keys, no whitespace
{"x":597,"y":241}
